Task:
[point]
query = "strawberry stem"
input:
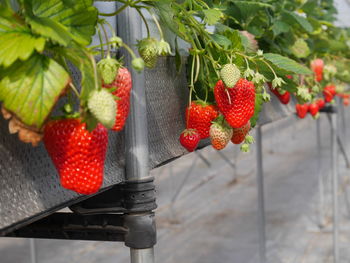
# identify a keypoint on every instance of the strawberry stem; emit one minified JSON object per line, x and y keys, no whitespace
{"x":107,"y":40}
{"x":157,"y":24}
{"x":101,"y":43}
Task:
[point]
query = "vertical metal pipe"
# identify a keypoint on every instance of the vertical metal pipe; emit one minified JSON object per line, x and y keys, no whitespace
{"x":136,"y":136}
{"x":261,"y":202}
{"x":32,"y":246}
{"x":142,"y":255}
{"x":334,"y":165}
{"x":320,"y":175}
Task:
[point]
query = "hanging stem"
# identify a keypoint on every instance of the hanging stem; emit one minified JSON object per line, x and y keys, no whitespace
{"x":101,"y":43}
{"x":74,"y":89}
{"x":95,"y":71}
{"x":144,"y":21}
{"x":158,"y":26}
{"x":107,"y":41}
{"x":116,"y":12}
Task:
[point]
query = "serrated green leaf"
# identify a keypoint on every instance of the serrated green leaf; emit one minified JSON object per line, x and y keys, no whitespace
{"x":77,"y":17}
{"x":293,"y":17}
{"x":286,"y":64}
{"x":259,"y":101}
{"x":30,"y":89}
{"x":212,"y":16}
{"x":13,"y":34}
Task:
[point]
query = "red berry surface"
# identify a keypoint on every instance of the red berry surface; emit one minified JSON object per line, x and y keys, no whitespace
{"x":239,"y":134}
{"x":283,"y":98}
{"x":189,"y":139}
{"x":317,"y":67}
{"x":313,"y":108}
{"x":122,"y":85}
{"x":302,"y":110}
{"x":199,"y":116}
{"x":321,"y":103}
{"x":237,"y":103}
{"x":77,"y":154}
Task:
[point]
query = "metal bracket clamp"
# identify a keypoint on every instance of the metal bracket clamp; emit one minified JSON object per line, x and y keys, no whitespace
{"x":137,"y":230}
{"x":136,"y":196}
{"x":329,"y":109}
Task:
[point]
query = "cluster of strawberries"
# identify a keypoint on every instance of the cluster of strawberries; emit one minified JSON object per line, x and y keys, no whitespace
{"x":228,"y":120}
{"x":78,"y":154}
{"x":329,"y":92}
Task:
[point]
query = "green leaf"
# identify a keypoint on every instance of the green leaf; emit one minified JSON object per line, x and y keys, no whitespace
{"x":16,"y":39}
{"x":81,"y":58}
{"x":212,"y":16}
{"x":291,"y":17}
{"x":221,"y":40}
{"x":286,"y":64}
{"x":77,"y":17}
{"x":250,"y":9}
{"x":30,"y":89}
{"x":280,"y":27}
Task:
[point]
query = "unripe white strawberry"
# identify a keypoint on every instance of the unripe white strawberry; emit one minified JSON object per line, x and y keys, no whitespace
{"x":108,"y":68}
{"x":230,"y":74}
{"x":220,"y":135}
{"x":103,"y":106}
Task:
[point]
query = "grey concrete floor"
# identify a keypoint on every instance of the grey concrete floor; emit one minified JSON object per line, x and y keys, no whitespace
{"x":213,"y":219}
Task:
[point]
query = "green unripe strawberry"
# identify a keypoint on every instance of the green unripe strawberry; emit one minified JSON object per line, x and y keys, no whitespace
{"x":230,"y":74}
{"x":103,"y":106}
{"x":138,"y":64}
{"x":148,"y":49}
{"x":108,"y":68}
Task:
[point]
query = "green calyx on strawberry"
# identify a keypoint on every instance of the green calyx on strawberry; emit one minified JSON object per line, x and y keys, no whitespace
{"x":108,"y":68}
{"x":102,"y":105}
{"x":230,"y":74}
{"x":77,"y":154}
{"x":199,"y":115}
{"x":220,"y":133}
{"x":189,"y":139}
{"x":163,"y":48}
{"x":148,"y":49}
{"x":236,"y":104}
{"x":245,"y":147}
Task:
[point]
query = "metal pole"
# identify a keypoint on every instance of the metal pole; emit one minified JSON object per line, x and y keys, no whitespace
{"x":261,"y":203}
{"x":335,"y":200}
{"x":136,"y":136}
{"x":32,"y":245}
{"x":141,"y":255}
{"x":320,"y":175}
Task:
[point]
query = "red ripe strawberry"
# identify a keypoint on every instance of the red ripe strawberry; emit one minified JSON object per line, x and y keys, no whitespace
{"x":329,"y":92}
{"x":302,"y":110}
{"x":77,"y":154}
{"x":317,"y":67}
{"x":313,"y":108}
{"x":346,"y":101}
{"x":189,"y":139}
{"x":321,"y":103}
{"x":239,"y":134}
{"x":122,"y":85}
{"x":284,"y":98}
{"x":199,"y":116}
{"x":237,"y":103}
